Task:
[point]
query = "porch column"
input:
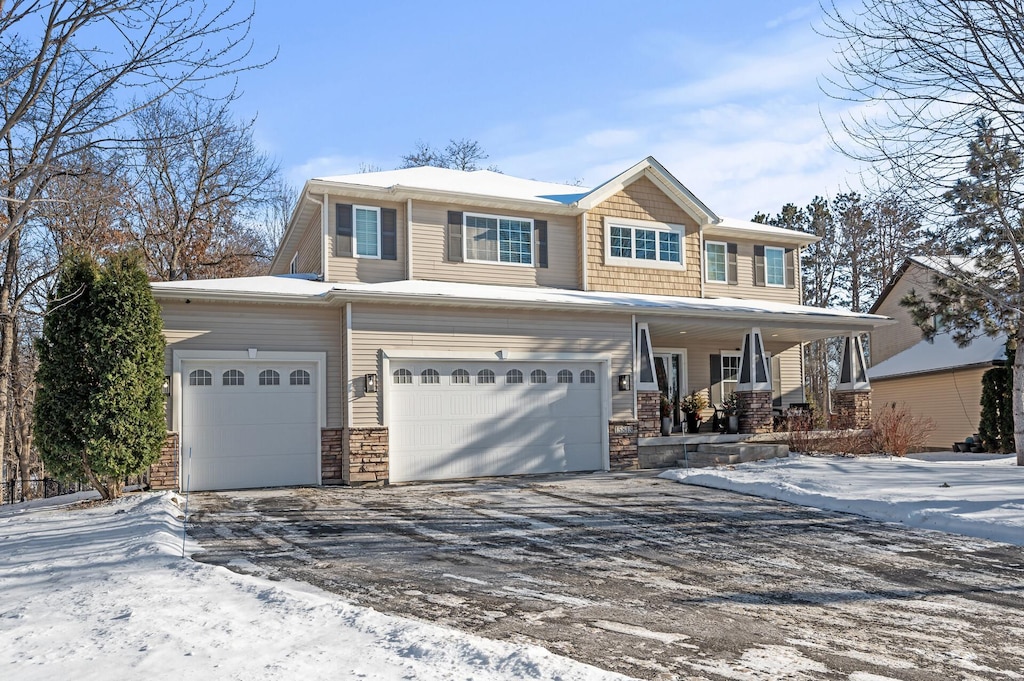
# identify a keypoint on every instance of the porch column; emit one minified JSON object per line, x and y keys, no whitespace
{"x":754,"y":388}
{"x":853,"y":394}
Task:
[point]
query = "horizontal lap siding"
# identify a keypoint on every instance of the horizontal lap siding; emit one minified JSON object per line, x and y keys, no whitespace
{"x":366,"y":270}
{"x":642,"y":200}
{"x":432,"y":330}
{"x":429,"y":252}
{"x":950,"y":398}
{"x":894,"y":339}
{"x":309,"y":252}
{"x":218,"y":326}
{"x":744,"y":287}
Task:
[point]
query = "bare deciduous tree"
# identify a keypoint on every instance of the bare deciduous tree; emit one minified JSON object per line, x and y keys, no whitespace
{"x":460,"y":154}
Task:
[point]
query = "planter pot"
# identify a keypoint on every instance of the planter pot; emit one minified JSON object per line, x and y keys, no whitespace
{"x":666,"y":425}
{"x":692,"y":421}
{"x":732,"y":423}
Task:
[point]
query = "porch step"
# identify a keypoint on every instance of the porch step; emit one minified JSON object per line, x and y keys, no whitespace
{"x":725,"y":454}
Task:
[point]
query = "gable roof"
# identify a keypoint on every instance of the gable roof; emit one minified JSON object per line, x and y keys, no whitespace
{"x":940,"y":354}
{"x":946,"y":265}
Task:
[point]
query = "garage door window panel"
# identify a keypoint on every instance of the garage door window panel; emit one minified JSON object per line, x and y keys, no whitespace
{"x":565,"y":376}
{"x":233,"y":377}
{"x":299,"y":377}
{"x":485,"y":377}
{"x":538,"y":376}
{"x":514,"y":376}
{"x":430,"y":377}
{"x":460,"y":377}
{"x":200,"y":377}
{"x":402,"y":377}
{"x":588,"y":376}
{"x":270,"y":377}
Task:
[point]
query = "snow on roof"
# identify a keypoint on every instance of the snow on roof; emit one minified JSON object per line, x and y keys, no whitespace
{"x":945,"y":264}
{"x":482,"y":182}
{"x":503,"y":296}
{"x":729,"y":224}
{"x":940,"y":354}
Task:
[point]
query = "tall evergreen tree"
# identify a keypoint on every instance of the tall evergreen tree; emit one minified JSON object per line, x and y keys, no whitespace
{"x":99,"y":407}
{"x":981,"y":288}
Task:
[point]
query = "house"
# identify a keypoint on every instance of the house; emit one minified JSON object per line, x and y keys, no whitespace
{"x":935,"y":378}
{"x":426,"y":324}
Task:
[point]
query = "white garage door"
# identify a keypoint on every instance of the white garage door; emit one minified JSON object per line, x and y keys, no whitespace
{"x":472,"y":419}
{"x":249,"y":424}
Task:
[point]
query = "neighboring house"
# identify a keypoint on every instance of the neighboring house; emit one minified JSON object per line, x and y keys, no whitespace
{"x":934,"y":378}
{"x":430,"y":323}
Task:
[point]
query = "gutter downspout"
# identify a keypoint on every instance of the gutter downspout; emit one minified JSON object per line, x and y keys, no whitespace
{"x":348,"y":365}
{"x":632,"y":351}
{"x":408,"y":239}
{"x":324,"y":244}
{"x":583,"y":252}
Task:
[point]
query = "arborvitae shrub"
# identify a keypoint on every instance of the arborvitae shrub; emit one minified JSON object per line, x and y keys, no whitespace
{"x":996,"y":426}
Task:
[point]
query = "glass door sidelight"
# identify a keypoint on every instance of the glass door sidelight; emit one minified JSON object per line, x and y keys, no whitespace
{"x":671,"y":371}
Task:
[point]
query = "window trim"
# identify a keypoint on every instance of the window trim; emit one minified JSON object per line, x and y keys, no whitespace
{"x":721,"y":369}
{"x":499,"y":261}
{"x":783,"y":252}
{"x":651,"y":226}
{"x":725,"y":269}
{"x":355,"y":232}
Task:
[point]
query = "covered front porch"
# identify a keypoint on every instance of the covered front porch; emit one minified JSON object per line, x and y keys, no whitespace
{"x":704,"y":380}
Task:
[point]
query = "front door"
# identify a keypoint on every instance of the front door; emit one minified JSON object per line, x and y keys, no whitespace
{"x":670,"y":366}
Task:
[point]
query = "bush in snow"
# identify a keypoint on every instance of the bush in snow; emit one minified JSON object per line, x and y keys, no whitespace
{"x":99,"y":409}
{"x":896,"y":431}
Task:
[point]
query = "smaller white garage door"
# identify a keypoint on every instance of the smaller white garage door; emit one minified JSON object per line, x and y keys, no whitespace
{"x":249,"y":424}
{"x":473,"y":419}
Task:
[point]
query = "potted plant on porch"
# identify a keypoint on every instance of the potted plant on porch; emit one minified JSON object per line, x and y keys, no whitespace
{"x":732,"y":413}
{"x":667,"y":407}
{"x":693,"y":404}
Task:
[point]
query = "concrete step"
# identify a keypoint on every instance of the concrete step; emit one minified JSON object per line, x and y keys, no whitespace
{"x":726,"y":454}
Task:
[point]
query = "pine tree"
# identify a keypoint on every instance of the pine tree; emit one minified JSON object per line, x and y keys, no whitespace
{"x":100,"y":408}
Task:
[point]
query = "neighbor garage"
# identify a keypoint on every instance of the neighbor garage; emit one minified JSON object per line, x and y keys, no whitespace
{"x":462,"y":419}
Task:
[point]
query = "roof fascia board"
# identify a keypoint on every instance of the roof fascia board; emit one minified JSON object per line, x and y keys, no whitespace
{"x":401,"y":193}
{"x":942,"y":370}
{"x":240,"y":296}
{"x":799,"y":238}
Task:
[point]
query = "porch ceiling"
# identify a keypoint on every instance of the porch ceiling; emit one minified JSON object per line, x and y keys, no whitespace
{"x":678,"y":332}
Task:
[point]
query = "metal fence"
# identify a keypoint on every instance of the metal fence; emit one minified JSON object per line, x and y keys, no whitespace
{"x":39,"y":489}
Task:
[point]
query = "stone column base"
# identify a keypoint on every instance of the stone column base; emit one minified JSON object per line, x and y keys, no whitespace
{"x":164,"y":473}
{"x":331,"y":456}
{"x":648,"y":412}
{"x":853,"y":408}
{"x":755,"y":411}
{"x":623,"y":451}
{"x":364,"y":458}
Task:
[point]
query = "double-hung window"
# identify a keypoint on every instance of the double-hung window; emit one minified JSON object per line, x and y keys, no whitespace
{"x":715,"y":262}
{"x":641,"y":243}
{"x":366,"y":221}
{"x":492,"y":238}
{"x":774,"y":266}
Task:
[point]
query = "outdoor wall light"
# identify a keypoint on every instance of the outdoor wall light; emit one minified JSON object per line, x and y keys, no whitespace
{"x":623,"y":382}
{"x":167,"y":386}
{"x":371,"y":383}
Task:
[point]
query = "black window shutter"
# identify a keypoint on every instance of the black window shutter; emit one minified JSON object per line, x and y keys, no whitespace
{"x":388,"y":234}
{"x":540,"y":230}
{"x":453,"y":236}
{"x":716,"y":379}
{"x":343,"y":230}
{"x":758,"y":265}
{"x":731,"y":266}
{"x":790,"y":268}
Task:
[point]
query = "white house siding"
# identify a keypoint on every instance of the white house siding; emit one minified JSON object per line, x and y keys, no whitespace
{"x":228,"y":326}
{"x":445,"y":330}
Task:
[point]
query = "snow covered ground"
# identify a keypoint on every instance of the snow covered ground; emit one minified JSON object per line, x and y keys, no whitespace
{"x":971,"y":494}
{"x":103,"y":593}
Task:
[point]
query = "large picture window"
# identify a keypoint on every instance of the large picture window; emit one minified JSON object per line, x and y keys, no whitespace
{"x":491,"y":238}
{"x":643,"y":243}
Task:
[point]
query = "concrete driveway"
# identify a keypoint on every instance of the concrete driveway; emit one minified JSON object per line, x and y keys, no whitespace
{"x":643,"y":576}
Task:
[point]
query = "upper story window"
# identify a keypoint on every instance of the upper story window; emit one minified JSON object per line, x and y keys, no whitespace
{"x":366,"y":221}
{"x":492,"y":238}
{"x":715,"y":257}
{"x":774,"y":266}
{"x":643,"y":243}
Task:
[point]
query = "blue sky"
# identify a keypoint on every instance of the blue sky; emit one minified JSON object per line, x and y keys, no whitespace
{"x":724,"y":94}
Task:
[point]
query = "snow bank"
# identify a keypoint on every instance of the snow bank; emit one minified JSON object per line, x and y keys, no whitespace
{"x":103,"y":593}
{"x":983,"y":497}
